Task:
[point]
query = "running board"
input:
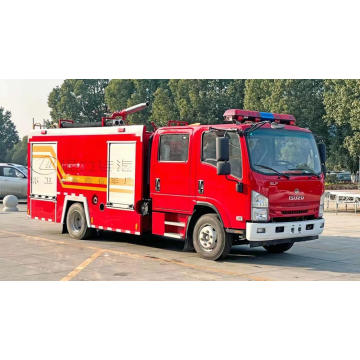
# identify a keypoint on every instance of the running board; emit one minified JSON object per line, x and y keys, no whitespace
{"x":173,"y":235}
{"x":175,"y":223}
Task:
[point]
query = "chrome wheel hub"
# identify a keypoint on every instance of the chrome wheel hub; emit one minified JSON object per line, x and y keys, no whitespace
{"x":208,"y":237}
{"x":76,"y":223}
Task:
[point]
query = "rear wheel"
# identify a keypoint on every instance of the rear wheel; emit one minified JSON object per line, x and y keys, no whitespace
{"x":76,"y":222}
{"x":278,"y":248}
{"x":210,"y":239}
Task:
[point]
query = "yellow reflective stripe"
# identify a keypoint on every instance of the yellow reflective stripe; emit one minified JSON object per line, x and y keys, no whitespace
{"x":85,"y":179}
{"x":125,"y":191}
{"x":122,"y":181}
{"x":83,"y":187}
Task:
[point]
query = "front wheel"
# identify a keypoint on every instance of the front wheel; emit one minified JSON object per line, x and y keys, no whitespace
{"x":210,"y":239}
{"x":278,"y":248}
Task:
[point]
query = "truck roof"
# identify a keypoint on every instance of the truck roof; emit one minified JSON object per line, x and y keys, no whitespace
{"x":138,"y":130}
{"x":242,"y":126}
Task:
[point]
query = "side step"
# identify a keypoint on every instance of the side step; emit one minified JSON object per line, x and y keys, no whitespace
{"x":174,"y":223}
{"x":173,"y":235}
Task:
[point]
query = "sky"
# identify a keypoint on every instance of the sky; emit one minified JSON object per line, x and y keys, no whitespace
{"x":26,"y":99}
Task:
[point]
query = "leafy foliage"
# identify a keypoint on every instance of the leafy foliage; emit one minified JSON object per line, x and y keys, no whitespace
{"x":8,"y":133}
{"x":18,"y":154}
{"x":301,"y":98}
{"x":117,"y":94}
{"x":163,"y":107}
{"x":330,"y":108}
{"x":204,"y":101}
{"x":80,"y":100}
{"x":121,"y":94}
{"x":342,"y":104}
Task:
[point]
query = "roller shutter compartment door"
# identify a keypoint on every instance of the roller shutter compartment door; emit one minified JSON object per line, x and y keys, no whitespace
{"x":121,"y":175}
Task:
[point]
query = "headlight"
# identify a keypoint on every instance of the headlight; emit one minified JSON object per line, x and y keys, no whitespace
{"x":321,"y":207}
{"x":259,"y":214}
{"x":259,"y":207}
{"x":258,"y":200}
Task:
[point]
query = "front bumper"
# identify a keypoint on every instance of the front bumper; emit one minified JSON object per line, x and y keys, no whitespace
{"x":284,"y":230}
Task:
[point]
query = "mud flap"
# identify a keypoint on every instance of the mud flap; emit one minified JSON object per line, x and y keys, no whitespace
{"x":188,"y":245}
{"x":64,"y":229}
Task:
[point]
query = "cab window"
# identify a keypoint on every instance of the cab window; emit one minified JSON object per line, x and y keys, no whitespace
{"x":208,"y":154}
{"x":235,"y":155}
{"x":209,"y":148}
{"x":174,"y":147}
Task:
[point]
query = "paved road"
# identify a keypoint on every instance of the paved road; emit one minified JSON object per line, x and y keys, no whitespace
{"x":35,"y":250}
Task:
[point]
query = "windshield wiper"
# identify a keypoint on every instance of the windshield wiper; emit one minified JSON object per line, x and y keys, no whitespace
{"x":311,"y":172}
{"x":256,"y":126}
{"x":270,"y":168}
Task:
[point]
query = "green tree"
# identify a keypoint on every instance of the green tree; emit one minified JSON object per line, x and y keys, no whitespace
{"x":342,"y":105}
{"x":301,"y":98}
{"x":118,"y":92}
{"x":125,"y":93}
{"x":144,"y":91}
{"x":18,"y":154}
{"x":8,"y":133}
{"x":163,"y":107}
{"x":191,"y":99}
{"x":234,"y":94}
{"x":204,"y":101}
{"x":79,"y":100}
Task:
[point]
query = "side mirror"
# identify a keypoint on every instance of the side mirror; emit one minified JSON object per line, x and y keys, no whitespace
{"x":222,"y":149}
{"x":223,"y":168}
{"x":240,"y":187}
{"x":322,"y":152}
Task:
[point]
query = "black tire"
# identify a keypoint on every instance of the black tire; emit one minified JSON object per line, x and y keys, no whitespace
{"x":278,"y":248}
{"x":76,"y":222}
{"x":207,"y":227}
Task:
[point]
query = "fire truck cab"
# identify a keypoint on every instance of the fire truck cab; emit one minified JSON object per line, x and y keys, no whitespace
{"x":256,"y":179}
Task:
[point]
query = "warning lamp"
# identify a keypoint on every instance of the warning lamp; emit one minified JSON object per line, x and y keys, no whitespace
{"x":238,"y":115}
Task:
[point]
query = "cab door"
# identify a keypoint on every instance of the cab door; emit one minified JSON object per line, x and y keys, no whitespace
{"x":171,"y":183}
{"x":220,"y":190}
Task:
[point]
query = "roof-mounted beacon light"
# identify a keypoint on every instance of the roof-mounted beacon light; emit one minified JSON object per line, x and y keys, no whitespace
{"x":237,"y":115}
{"x":285,"y":119}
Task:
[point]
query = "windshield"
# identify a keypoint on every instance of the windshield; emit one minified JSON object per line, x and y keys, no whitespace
{"x":274,"y":151}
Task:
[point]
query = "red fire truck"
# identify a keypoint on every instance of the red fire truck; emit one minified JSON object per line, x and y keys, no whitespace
{"x":256,"y":179}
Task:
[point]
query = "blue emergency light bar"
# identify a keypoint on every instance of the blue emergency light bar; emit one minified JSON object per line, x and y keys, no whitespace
{"x":237,"y":115}
{"x":266,"y":116}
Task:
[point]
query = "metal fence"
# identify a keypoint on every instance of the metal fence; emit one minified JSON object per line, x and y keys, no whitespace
{"x":342,"y":198}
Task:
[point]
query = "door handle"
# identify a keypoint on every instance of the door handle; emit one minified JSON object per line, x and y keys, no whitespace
{"x":201,"y":186}
{"x":157,"y":184}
